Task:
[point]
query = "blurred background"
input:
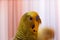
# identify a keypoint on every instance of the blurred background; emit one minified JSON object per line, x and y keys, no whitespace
{"x":12,"y":10}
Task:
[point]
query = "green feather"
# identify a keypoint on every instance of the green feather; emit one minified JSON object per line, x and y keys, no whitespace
{"x":24,"y":30}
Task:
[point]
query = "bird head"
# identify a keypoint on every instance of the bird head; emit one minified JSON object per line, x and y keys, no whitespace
{"x":31,"y":21}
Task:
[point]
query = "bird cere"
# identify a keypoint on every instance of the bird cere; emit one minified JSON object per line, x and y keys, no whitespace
{"x":28,"y":28}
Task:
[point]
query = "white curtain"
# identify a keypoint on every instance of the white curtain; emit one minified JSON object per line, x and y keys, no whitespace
{"x":3,"y":20}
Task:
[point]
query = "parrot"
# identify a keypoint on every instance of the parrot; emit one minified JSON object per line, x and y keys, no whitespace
{"x":46,"y":34}
{"x":28,"y":26}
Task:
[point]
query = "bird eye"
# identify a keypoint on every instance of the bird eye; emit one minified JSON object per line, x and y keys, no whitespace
{"x":30,"y":18}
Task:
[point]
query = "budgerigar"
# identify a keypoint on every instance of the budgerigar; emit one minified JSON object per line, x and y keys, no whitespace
{"x":28,"y":26}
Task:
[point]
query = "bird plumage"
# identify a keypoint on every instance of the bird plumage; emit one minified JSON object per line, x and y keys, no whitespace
{"x":28,"y":27}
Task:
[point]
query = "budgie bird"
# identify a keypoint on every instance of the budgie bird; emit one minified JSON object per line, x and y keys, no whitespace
{"x":28,"y":26}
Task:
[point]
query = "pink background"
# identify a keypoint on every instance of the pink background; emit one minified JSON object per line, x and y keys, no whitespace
{"x":13,"y":16}
{"x":12,"y":10}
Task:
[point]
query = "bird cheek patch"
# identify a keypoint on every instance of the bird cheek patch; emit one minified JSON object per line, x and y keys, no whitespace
{"x":33,"y":30}
{"x":33,"y":26}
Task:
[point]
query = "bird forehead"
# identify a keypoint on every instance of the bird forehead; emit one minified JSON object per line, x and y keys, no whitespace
{"x":32,"y":14}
